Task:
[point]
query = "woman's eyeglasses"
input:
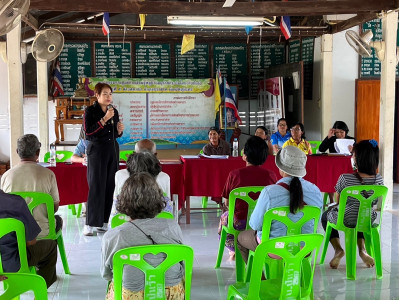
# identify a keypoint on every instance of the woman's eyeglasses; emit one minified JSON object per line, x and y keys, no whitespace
{"x":295,"y":129}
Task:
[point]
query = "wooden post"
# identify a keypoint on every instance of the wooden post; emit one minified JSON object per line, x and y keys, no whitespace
{"x":42,"y":109}
{"x":326,"y":79}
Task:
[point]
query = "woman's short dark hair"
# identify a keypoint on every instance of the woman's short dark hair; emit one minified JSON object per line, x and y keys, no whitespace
{"x":256,"y":150}
{"x":341,"y":125}
{"x":100,"y":86}
{"x":263,"y":128}
{"x":282,"y":119}
{"x":143,"y":162}
{"x":302,"y":129}
{"x":367,"y":156}
{"x":141,"y":197}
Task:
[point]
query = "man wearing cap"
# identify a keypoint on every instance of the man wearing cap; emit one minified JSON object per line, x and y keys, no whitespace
{"x":291,"y":190}
{"x":216,"y":145}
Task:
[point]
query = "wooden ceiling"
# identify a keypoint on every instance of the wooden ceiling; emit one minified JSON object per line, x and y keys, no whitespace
{"x":80,"y":20}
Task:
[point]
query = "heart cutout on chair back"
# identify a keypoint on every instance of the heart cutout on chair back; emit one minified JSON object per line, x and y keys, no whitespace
{"x":254,"y":195}
{"x":60,"y":156}
{"x":151,"y":257}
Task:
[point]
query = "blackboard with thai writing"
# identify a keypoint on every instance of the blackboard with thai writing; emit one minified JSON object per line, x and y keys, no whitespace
{"x":113,"y":61}
{"x":263,"y":56}
{"x":75,"y":62}
{"x":371,"y":66}
{"x":232,"y":60}
{"x":294,"y":53}
{"x":152,"y":60}
{"x":307,"y":57}
{"x":193,"y":64}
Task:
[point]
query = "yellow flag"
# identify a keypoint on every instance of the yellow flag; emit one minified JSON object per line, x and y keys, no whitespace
{"x":188,"y":43}
{"x":218,"y":99}
{"x":142,"y":20}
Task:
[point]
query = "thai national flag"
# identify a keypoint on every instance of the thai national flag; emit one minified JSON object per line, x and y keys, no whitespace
{"x":57,"y":87}
{"x":285,"y":26}
{"x":231,"y":102}
{"x":106,"y":23}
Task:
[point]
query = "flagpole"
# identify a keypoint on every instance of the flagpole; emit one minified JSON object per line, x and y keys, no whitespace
{"x":225,"y":110}
{"x":108,"y":39}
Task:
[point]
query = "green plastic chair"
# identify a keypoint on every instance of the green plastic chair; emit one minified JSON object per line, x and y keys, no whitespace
{"x":46,"y":199}
{"x":67,"y":155}
{"x":280,"y":214}
{"x":119,"y":219}
{"x":293,"y":284}
{"x":238,"y":193}
{"x":124,"y":154}
{"x":20,"y":283}
{"x":364,"y":224}
{"x":154,"y":287}
{"x":9,"y":225}
{"x":315,"y":146}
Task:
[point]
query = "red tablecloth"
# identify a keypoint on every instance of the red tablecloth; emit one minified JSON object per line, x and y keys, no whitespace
{"x":207,"y":176}
{"x":73,"y":188}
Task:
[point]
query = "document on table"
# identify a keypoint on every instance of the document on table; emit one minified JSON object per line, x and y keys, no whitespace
{"x":44,"y":164}
{"x":189,"y":156}
{"x":342,"y":145}
{"x":216,"y":156}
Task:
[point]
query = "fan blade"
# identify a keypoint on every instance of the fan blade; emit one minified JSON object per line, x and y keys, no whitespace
{"x":229,"y":3}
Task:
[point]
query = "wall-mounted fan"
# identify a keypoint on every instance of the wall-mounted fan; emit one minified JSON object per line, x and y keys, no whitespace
{"x":47,"y":44}
{"x":10,"y":10}
{"x":363,"y":44}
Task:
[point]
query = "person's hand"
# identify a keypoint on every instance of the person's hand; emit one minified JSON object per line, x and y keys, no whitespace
{"x":2,"y":277}
{"x":120,"y":127}
{"x":109,"y":114}
{"x":331,"y":133}
{"x":350,"y":148}
{"x":84,"y":159}
{"x":309,"y":147}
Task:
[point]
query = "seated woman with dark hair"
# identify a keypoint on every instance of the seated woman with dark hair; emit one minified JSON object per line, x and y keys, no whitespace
{"x":255,"y":154}
{"x":338,"y":131}
{"x":141,"y":199}
{"x":261,"y":132}
{"x":298,"y":139}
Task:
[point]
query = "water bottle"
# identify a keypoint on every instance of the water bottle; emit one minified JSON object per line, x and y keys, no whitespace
{"x":235,"y":147}
{"x":52,"y":155}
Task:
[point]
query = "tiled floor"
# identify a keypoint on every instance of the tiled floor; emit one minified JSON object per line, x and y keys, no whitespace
{"x":208,"y":283}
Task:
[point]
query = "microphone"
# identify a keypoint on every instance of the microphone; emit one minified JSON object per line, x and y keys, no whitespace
{"x":112,"y":119}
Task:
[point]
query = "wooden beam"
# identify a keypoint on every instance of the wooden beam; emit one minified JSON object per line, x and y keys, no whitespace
{"x":259,"y":8}
{"x":357,"y":20}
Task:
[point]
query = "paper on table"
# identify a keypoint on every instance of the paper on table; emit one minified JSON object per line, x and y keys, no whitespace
{"x":341,"y":145}
{"x":216,"y":156}
{"x":44,"y":164}
{"x":189,"y":156}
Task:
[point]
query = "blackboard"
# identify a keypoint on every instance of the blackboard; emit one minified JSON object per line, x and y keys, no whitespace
{"x":232,"y":60}
{"x":307,"y":57}
{"x":75,"y":62}
{"x":371,"y":66}
{"x":152,"y":60}
{"x":192,"y":64}
{"x":264,"y":56}
{"x":294,"y":53}
{"x":113,"y":61}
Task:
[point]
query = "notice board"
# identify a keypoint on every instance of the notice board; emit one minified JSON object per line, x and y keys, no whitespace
{"x":152,"y":60}
{"x":194,"y":63}
{"x":113,"y":61}
{"x":75,"y":62}
{"x":307,"y":58}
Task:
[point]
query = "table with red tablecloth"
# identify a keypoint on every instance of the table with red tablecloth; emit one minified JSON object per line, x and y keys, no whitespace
{"x":207,"y":176}
{"x":73,"y":187}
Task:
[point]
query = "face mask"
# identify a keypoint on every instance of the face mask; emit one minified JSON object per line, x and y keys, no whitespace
{"x":353,"y":163}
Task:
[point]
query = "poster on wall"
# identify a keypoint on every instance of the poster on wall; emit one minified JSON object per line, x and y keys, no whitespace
{"x":177,"y":115}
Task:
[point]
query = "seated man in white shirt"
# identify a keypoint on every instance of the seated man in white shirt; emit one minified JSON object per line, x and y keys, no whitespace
{"x":29,"y":176}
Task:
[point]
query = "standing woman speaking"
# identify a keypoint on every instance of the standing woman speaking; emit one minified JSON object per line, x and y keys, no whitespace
{"x":102,"y":127}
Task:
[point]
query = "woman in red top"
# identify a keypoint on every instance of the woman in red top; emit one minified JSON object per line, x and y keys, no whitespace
{"x":255,"y":154}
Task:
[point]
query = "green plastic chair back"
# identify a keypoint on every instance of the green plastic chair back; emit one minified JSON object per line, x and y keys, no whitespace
{"x":67,"y":155}
{"x":243,"y":194}
{"x":9,"y":225}
{"x":124,"y":154}
{"x":38,"y":198}
{"x":119,"y":219}
{"x":280,"y":214}
{"x":154,"y":276}
{"x":364,"y":224}
{"x":315,"y":146}
{"x":292,"y":285}
{"x":20,"y":283}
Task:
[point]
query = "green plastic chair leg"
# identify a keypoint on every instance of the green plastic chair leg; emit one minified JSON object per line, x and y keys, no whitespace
{"x":223,"y":236}
{"x":205,"y":202}
{"x":368,"y":242}
{"x":72,"y":208}
{"x":326,"y":199}
{"x":350,"y":253}
{"x":377,"y":252}
{"x":240,"y":264}
{"x":249,"y":266}
{"x":325,"y":246}
{"x":61,"y":248}
{"x":79,"y":210}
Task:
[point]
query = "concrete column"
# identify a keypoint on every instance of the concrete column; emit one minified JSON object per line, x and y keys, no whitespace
{"x":42,"y":99}
{"x":15,"y":90}
{"x":387,"y":102}
{"x":326,"y":82}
